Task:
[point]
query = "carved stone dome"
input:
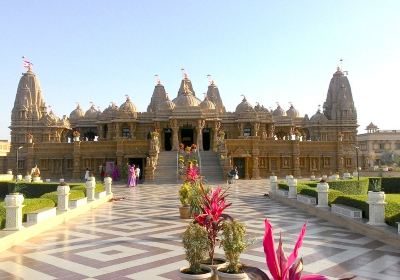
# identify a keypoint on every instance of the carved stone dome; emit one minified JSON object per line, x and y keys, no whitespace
{"x":279,"y":112}
{"x":167,"y":105}
{"x":77,"y":113}
{"x":207,"y":104}
{"x":127,"y":109}
{"x":92,"y":113}
{"x":292,"y":112}
{"x":318,"y":117}
{"x":187,"y":100}
{"x":110,"y":112}
{"x":244,"y":106}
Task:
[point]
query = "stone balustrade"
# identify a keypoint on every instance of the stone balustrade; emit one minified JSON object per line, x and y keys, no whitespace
{"x":90,"y":188}
{"x":63,"y":197}
{"x":13,"y":204}
{"x":322,"y":189}
{"x":292,"y":188}
{"x":376,"y":202}
{"x":274,"y":183}
{"x":107,"y":185}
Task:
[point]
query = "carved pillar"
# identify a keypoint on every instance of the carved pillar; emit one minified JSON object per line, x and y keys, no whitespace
{"x":76,"y":172}
{"x":339,"y":157}
{"x":200,"y":126}
{"x":256,"y":128}
{"x":133,"y":129}
{"x":256,"y":170}
{"x":246,"y":172}
{"x":120,"y":152}
{"x":264,"y":134}
{"x":100,"y":131}
{"x":296,"y":159}
{"x":216,"y":127}
{"x":240,"y":127}
{"x":175,"y":129}
{"x":117,"y":131}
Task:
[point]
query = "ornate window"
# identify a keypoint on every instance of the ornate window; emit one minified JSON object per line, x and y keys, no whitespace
{"x":247,"y":131}
{"x":126,"y":132}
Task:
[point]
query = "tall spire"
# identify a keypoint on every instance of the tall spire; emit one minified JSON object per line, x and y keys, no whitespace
{"x":339,"y":104}
{"x":214,"y":96}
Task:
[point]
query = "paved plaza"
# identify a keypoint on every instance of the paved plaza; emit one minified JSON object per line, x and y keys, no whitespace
{"x":139,"y":238}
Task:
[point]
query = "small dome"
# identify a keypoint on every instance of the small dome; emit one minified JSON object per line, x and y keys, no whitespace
{"x":77,"y":113}
{"x":92,"y":113}
{"x":292,"y":112}
{"x":279,"y":112}
{"x":111,"y":111}
{"x":186,"y":100}
{"x":207,"y":104}
{"x":167,"y":105}
{"x":318,"y":117}
{"x":128,"y":106}
{"x":244,"y":106}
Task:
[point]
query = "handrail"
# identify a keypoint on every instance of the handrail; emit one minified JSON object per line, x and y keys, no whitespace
{"x":177,"y":166}
{"x":199,"y":157}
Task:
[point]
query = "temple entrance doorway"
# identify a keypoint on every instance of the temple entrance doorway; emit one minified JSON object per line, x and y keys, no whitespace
{"x":167,"y":139}
{"x":206,"y":139}
{"x":240,"y":163}
{"x":138,"y":162}
{"x":187,"y":136}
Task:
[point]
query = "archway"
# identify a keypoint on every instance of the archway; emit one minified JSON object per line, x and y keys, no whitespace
{"x":206,"y":139}
{"x":187,"y":136}
{"x":167,"y":139}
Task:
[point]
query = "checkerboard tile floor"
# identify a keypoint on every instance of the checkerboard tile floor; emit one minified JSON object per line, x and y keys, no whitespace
{"x":139,"y":238}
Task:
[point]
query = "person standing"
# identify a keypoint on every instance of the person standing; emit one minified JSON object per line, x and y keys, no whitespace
{"x":137,"y":174}
{"x":131,"y":176}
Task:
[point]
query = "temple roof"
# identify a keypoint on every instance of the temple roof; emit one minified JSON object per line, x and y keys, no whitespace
{"x":244,"y":106}
{"x":77,"y":113}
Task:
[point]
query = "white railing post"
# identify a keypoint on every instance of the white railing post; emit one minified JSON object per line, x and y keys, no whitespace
{"x":13,"y":204}
{"x":63,"y":197}
{"x":292,"y":188}
{"x":273,"y":183}
{"x":107,"y":185}
{"x":322,"y":189}
{"x":90,"y":188}
{"x":376,"y":201}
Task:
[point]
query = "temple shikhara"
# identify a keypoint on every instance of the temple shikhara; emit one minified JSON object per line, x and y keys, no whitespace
{"x":260,"y":142}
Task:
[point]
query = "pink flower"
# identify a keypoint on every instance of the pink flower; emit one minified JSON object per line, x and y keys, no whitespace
{"x":280,"y":267}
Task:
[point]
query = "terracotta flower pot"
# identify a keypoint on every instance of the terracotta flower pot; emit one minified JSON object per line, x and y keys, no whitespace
{"x":184,"y":212}
{"x":205,"y":276}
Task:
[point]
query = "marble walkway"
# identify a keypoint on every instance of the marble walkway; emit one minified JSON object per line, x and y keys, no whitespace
{"x":139,"y":238}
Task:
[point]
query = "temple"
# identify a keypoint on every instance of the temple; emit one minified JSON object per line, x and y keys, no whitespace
{"x":260,"y":142}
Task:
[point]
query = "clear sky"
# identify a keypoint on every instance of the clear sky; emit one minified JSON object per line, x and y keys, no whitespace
{"x":270,"y":51}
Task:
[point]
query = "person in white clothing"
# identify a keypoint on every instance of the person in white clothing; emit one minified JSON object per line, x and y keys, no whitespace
{"x":137,"y":174}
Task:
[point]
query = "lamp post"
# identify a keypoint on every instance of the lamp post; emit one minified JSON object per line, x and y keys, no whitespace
{"x":19,"y":148}
{"x":358,"y":172}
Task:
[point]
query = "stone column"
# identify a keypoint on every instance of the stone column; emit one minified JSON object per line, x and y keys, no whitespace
{"x":107,"y":185}
{"x":256,"y":128}
{"x":292,"y":188}
{"x":256,"y":170}
{"x":62,"y":197}
{"x":322,"y":189}
{"x":175,"y":138}
{"x":200,"y":126}
{"x":133,"y":129}
{"x":274,"y":183}
{"x":288,"y":178}
{"x":76,"y":171}
{"x":90,"y":188}
{"x":217,"y":125}
{"x":13,"y":204}
{"x":376,"y":201}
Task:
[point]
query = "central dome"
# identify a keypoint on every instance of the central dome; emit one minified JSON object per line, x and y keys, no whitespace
{"x":187,"y":100}
{"x":244,"y":106}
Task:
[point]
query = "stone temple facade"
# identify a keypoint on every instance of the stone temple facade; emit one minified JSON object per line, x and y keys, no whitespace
{"x":259,"y":141}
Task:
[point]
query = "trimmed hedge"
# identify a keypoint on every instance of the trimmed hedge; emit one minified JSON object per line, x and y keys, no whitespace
{"x":73,"y":195}
{"x":81,"y":187}
{"x":2,"y":215}
{"x":392,"y":208}
{"x":371,"y":184}
{"x":349,"y":186}
{"x":391,"y":184}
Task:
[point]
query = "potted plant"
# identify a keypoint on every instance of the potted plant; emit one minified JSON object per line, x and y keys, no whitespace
{"x":234,"y":242}
{"x":211,"y":219}
{"x":184,"y":209}
{"x":196,"y":243}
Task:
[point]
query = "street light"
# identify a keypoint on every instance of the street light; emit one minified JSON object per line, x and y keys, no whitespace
{"x":358,"y":172}
{"x":19,"y":148}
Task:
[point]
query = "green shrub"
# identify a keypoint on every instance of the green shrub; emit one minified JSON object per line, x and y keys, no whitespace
{"x":99,"y":188}
{"x":34,"y":204}
{"x":356,"y":201}
{"x":81,"y":187}
{"x":350,"y":186}
{"x":73,"y":195}
{"x":33,"y":190}
{"x":282,"y":185}
{"x":2,"y":215}
{"x":312,"y":184}
{"x":372,"y":181}
{"x":391,"y":184}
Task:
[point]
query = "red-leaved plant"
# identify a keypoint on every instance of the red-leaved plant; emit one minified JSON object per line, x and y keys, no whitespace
{"x":280,"y":267}
{"x":192,"y":173}
{"x":212,"y":216}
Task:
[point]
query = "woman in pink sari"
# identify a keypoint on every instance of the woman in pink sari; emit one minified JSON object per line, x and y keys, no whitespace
{"x":131,"y":176}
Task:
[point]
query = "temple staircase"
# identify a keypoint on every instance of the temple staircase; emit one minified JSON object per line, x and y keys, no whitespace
{"x":211,"y":168}
{"x":165,"y":172}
